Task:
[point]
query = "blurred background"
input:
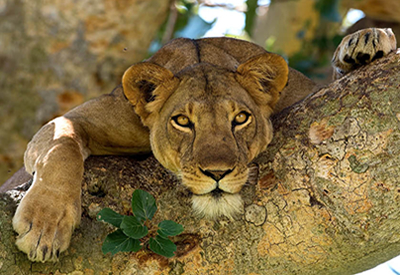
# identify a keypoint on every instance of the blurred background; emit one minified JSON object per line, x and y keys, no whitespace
{"x":56,"y":54}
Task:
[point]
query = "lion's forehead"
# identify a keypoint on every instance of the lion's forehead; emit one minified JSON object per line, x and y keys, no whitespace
{"x":207,"y":82}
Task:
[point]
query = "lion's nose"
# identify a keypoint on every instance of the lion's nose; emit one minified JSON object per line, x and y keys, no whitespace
{"x":216,"y":175}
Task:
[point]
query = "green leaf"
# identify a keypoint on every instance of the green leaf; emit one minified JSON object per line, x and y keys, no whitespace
{"x":162,"y":234}
{"x":119,"y":242}
{"x":110,"y":216}
{"x":162,"y":246}
{"x":133,"y":228}
{"x":170,"y":228}
{"x":143,"y":205}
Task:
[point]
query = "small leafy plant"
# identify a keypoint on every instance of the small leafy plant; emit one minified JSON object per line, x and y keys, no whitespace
{"x":131,"y":229}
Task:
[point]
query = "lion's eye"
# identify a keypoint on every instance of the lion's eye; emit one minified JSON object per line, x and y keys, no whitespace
{"x":241,"y":118}
{"x":182,"y":120}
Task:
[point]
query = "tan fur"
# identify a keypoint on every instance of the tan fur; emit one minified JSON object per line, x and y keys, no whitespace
{"x":210,"y":82}
{"x":229,"y":205}
{"x":268,"y":70}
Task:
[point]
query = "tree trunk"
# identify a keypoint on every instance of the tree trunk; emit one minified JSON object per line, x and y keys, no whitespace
{"x":326,"y":200}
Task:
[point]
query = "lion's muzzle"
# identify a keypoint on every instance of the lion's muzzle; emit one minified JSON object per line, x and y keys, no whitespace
{"x":216,"y":175}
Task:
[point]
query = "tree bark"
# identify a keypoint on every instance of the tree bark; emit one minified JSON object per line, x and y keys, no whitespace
{"x":326,"y":200}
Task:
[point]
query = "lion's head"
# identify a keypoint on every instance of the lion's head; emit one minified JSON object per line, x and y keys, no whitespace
{"x":207,"y":104}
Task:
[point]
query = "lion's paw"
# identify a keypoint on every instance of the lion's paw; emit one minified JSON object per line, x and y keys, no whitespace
{"x":361,"y":48}
{"x":45,"y":220}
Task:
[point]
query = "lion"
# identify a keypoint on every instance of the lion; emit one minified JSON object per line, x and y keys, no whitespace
{"x":202,"y":107}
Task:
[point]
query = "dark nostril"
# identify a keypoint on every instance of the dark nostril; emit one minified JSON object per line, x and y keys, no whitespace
{"x":216,"y":175}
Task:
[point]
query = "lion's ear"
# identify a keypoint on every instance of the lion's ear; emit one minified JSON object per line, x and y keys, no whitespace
{"x":264,"y":77}
{"x":147,"y":85}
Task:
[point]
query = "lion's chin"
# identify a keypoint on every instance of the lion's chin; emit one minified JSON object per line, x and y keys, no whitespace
{"x":212,"y":206}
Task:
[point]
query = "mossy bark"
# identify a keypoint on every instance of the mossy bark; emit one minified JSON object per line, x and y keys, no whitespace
{"x":327,"y":199}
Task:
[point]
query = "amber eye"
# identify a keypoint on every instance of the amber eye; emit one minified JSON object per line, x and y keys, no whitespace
{"x":182,"y":120}
{"x":241,"y":118}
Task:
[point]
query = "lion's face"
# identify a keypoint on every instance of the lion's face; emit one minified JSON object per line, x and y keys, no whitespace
{"x":206,"y":127}
{"x":207,"y":132}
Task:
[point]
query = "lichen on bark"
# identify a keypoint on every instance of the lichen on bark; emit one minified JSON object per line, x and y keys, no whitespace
{"x":326,"y":200}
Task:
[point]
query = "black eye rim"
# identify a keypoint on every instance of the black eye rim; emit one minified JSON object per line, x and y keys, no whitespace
{"x":175,"y":119}
{"x":235,"y":123}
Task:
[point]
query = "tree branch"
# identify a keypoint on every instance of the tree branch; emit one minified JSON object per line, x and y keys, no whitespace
{"x":327,"y":199}
{"x":170,"y":25}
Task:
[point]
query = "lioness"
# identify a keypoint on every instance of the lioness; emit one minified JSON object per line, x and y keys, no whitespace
{"x":201,"y":106}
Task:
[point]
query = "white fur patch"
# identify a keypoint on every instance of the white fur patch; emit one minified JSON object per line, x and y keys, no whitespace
{"x":228,"y":205}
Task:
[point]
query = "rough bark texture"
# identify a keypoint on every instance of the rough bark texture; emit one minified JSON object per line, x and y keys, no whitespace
{"x":326,"y":201}
{"x":55,"y":54}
